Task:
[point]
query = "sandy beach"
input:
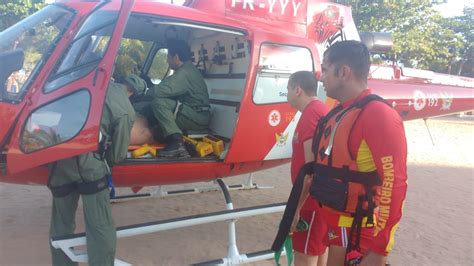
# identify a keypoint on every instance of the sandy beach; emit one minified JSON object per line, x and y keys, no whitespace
{"x":436,"y":228}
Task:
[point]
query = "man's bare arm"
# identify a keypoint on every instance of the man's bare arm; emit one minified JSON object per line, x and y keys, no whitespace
{"x":308,"y":157}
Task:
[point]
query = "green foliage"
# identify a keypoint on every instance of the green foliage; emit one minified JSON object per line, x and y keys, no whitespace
{"x":159,"y":68}
{"x":464,"y":26}
{"x":130,"y":58}
{"x":13,"y":11}
{"x":422,"y":38}
{"x":132,"y":55}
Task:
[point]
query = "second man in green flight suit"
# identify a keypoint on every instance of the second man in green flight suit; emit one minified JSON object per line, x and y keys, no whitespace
{"x":180,"y":102}
{"x":85,"y":176}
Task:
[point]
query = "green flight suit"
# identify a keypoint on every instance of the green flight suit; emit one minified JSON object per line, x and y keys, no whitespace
{"x":187,"y":87}
{"x":116,"y":123}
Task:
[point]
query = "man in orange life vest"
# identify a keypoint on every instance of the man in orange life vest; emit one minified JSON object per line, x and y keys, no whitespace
{"x":310,"y":247}
{"x":360,"y":154}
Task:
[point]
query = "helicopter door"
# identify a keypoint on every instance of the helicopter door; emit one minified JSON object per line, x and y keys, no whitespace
{"x":62,"y":119}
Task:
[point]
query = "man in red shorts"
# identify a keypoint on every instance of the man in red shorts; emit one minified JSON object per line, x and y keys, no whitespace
{"x":360,"y":153}
{"x":309,"y":245}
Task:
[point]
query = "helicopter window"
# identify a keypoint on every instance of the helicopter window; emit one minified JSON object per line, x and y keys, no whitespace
{"x":36,"y":36}
{"x":55,"y":122}
{"x":159,"y":68}
{"x":277,"y":62}
{"x":85,"y":51}
{"x":131,"y":57}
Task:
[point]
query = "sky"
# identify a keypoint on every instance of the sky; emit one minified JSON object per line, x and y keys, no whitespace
{"x":453,"y":7}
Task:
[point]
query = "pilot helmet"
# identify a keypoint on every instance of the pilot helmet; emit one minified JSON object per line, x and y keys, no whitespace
{"x":137,"y":84}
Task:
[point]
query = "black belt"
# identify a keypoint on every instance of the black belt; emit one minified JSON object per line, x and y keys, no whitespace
{"x":199,"y":109}
{"x":84,"y":188}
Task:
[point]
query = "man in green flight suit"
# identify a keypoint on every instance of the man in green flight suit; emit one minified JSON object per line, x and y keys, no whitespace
{"x":180,"y":102}
{"x":86,"y":175}
{"x":136,"y":89}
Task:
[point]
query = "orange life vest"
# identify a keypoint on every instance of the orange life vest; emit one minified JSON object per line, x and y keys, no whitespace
{"x":337,"y":183}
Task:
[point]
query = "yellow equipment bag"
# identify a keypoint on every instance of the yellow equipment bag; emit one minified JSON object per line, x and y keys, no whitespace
{"x":217,"y":144}
{"x":202,"y":148}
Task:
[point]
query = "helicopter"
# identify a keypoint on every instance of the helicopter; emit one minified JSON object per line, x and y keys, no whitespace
{"x":58,"y":62}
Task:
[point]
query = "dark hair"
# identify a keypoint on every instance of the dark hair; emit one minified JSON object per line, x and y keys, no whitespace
{"x":351,"y":53}
{"x":305,"y":80}
{"x":180,"y":48}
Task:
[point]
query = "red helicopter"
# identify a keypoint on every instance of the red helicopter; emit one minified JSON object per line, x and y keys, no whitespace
{"x":57,"y":63}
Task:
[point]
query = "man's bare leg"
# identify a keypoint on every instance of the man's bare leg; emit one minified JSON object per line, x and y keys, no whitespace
{"x":323,"y":259}
{"x":336,"y":255}
{"x":303,"y":259}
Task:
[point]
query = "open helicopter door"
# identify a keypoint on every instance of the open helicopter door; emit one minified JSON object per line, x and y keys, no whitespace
{"x":61,"y":118}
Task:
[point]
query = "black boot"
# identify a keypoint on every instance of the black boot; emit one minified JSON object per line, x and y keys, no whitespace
{"x":174,"y":148}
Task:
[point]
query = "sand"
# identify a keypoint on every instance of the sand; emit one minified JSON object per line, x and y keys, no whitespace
{"x":436,"y":228}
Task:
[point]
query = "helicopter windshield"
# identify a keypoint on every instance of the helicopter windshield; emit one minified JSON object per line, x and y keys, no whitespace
{"x":36,"y":36}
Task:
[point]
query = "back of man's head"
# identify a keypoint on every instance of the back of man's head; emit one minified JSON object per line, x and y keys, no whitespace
{"x":305,"y":80}
{"x":180,"y":48}
{"x":351,"y":53}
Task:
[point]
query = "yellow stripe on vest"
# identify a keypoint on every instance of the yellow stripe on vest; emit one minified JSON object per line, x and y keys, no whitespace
{"x":346,"y":221}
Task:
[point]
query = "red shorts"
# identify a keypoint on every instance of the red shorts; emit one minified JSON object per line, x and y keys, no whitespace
{"x":339,"y":228}
{"x":339,"y":236}
{"x":311,"y":242}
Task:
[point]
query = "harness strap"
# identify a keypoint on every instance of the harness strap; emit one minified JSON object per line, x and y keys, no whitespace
{"x":325,"y":119}
{"x":370,"y":207}
{"x":62,"y":190}
{"x":84,"y":188}
{"x":365,"y":178}
{"x":320,"y":128}
{"x":59,"y":191}
{"x":353,"y":254}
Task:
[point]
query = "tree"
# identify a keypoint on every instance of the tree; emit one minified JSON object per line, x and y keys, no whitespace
{"x":464,"y":26}
{"x":131,"y":56}
{"x":420,"y":38}
{"x":13,"y":11}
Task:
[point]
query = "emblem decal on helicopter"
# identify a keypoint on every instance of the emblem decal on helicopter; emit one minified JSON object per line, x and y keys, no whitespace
{"x":279,"y":151}
{"x":447,"y":100}
{"x":274,"y":118}
{"x":419,"y":100}
{"x":281,"y":139}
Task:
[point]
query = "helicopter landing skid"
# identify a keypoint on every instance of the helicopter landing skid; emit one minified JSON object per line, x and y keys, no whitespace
{"x":161,"y":192}
{"x":68,"y":243}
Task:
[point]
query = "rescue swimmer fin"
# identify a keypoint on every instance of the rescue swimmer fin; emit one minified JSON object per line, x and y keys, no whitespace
{"x":288,"y":246}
